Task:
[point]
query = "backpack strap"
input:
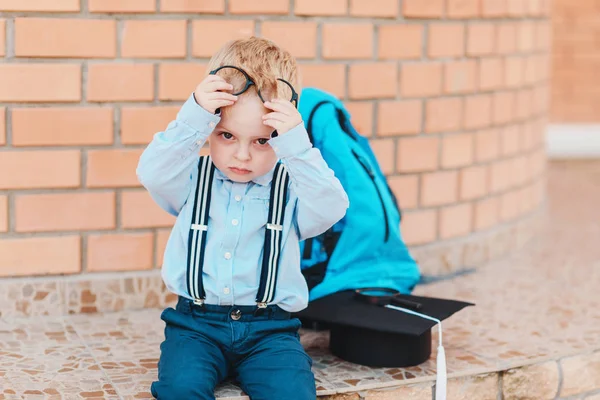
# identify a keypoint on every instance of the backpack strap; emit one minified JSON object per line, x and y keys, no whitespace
{"x":273,"y":236}
{"x":198,"y":229}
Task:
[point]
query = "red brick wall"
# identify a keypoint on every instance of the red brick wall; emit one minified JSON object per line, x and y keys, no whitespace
{"x":575,"y":62}
{"x":452,"y":94}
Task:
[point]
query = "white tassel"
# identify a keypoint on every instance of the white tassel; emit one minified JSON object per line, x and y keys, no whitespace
{"x":440,"y":381}
{"x":442,"y":378}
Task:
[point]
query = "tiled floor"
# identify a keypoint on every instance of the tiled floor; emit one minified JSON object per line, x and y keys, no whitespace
{"x":536,"y":305}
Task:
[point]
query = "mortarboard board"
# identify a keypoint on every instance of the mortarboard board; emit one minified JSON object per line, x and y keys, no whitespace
{"x":377,"y":336}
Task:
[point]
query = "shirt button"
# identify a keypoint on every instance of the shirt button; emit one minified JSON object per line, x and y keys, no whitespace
{"x":238,"y":198}
{"x":227,"y":255}
{"x":211,"y":124}
{"x":226,"y":290}
{"x":235,"y":222}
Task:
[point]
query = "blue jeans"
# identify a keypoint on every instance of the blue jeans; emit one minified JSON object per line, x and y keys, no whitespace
{"x":260,"y":348}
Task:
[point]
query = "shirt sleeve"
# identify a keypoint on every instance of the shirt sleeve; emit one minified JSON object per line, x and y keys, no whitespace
{"x":322,"y":200}
{"x":166,"y":165}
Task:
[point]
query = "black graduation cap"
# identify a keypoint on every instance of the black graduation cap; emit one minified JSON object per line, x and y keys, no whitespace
{"x":377,"y":336}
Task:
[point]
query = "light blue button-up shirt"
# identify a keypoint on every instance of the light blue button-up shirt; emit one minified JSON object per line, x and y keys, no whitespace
{"x":168,"y":169}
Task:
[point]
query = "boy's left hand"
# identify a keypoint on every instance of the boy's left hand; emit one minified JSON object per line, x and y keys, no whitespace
{"x":284,"y":116}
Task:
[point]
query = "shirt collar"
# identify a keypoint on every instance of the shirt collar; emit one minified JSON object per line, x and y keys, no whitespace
{"x":262,"y":180}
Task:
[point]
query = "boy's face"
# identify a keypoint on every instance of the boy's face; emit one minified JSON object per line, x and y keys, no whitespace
{"x":238,"y":145}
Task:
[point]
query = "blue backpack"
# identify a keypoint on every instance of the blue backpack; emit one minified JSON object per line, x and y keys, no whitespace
{"x":365,"y":248}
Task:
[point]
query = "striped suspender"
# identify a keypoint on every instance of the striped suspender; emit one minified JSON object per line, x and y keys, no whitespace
{"x":273,"y":233}
{"x":199,"y":227}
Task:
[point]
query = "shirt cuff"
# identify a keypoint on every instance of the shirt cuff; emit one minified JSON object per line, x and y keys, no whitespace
{"x":197,"y":117}
{"x":292,"y":143}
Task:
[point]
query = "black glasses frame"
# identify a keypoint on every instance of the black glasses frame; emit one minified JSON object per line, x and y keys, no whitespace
{"x":250,"y":82}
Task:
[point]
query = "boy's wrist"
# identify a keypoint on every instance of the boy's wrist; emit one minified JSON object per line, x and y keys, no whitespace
{"x":293,"y":142}
{"x":196,"y":116}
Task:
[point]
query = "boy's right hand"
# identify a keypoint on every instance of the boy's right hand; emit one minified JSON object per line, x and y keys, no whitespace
{"x":212,"y":94}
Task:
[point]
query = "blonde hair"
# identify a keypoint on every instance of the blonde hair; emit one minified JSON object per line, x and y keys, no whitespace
{"x":263,"y":60}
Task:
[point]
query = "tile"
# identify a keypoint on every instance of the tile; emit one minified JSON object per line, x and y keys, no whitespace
{"x":21,"y":298}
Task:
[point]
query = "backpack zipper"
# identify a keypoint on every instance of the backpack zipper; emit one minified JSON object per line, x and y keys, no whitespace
{"x":371,"y":174}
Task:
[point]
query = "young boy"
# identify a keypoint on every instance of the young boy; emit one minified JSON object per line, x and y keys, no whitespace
{"x":233,"y":255}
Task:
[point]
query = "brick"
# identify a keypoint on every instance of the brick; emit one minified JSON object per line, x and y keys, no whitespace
{"x":399,"y":117}
{"x":526,"y":36}
{"x":524,"y":103}
{"x":62,"y":37}
{"x":122,"y":6}
{"x":139,"y":124}
{"x":64,"y":212}
{"x":259,"y":6}
{"x":3,"y":126}
{"x":406,"y":190}
{"x":328,"y":77}
{"x":421,"y":79}
{"x":419,"y":227}
{"x":298,"y":37}
{"x":71,"y":126}
{"x":487,"y":145}
{"x":506,"y":38}
{"x":504,"y":107}
{"x":187,"y":6}
{"x":40,"y":256}
{"x":418,"y":154}
{"x":478,"y":111}
{"x":513,"y":71}
{"x":3,"y":213}
{"x":2,"y":37}
{"x":400,"y":41}
{"x":362,"y":84}
{"x":317,"y":7}
{"x":510,"y":138}
{"x":446,"y":40}
{"x":384,"y":150}
{"x":500,"y":175}
{"x":483,"y":387}
{"x":361,"y":116}
{"x":228,"y":30}
{"x":443,"y":115}
{"x":581,"y":373}
{"x":480,"y":39}
{"x":138,"y":210}
{"x":40,"y":5}
{"x":516,"y":8}
{"x":493,"y":8}
{"x":423,"y":8}
{"x":177,"y":81}
{"x":162,"y":237}
{"x":65,"y":171}
{"x":113,"y":168}
{"x":154,"y":39}
{"x":120,"y":82}
{"x":463,"y":8}
{"x":120,"y":252}
{"x":45,"y":83}
{"x":509,"y":205}
{"x":439,"y":188}
{"x":457,"y":150}
{"x":543,"y":35}
{"x":374,"y":8}
{"x":491,"y":73}
{"x":456,"y":220}
{"x":473,"y":182}
{"x":342,"y":41}
{"x":486,"y":213}
{"x":460,"y":76}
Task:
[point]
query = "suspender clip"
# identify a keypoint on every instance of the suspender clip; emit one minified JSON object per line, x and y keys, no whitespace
{"x":199,"y":302}
{"x":199,"y":227}
{"x":275,"y":227}
{"x":261,"y":305}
